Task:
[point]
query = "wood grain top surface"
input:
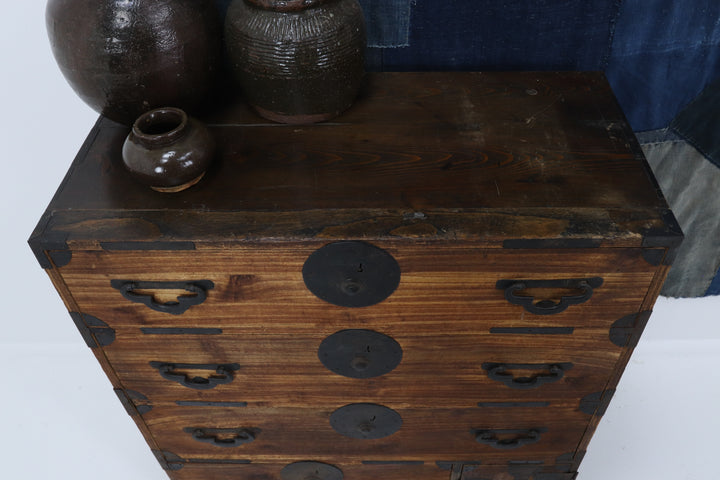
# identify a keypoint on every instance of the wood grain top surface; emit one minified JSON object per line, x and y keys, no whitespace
{"x":431,"y":155}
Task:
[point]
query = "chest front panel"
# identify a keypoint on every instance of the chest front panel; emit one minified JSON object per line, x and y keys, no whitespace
{"x":369,"y":306}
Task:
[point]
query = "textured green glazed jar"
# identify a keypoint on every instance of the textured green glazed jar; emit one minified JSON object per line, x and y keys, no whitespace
{"x":297,"y":61}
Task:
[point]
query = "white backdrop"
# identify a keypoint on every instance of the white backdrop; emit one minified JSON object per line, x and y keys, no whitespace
{"x":61,"y":419}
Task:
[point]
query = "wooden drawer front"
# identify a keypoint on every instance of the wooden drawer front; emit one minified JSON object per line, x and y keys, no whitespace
{"x":389,"y":470}
{"x":399,"y":470}
{"x":490,"y":435}
{"x":443,"y":287}
{"x":434,"y":370}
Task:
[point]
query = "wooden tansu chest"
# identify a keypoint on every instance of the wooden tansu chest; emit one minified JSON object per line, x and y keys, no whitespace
{"x":444,"y":283}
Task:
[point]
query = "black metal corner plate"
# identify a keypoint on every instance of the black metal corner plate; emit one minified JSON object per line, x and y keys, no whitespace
{"x":596,"y":403}
{"x":50,"y":248}
{"x":135,"y":403}
{"x":94,"y":331}
{"x":626,"y":331}
{"x":351,"y":274}
{"x":360,"y":353}
{"x":670,"y":237}
{"x":169,"y":461}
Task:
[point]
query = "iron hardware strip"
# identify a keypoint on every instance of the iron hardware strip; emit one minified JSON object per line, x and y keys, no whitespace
{"x":181,"y":331}
{"x":147,"y":246}
{"x":513,"y":404}
{"x":182,"y":403}
{"x":533,"y":330}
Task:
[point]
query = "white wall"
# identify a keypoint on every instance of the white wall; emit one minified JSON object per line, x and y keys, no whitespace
{"x":61,"y":418}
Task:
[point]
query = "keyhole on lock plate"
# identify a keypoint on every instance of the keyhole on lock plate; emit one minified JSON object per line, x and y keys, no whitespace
{"x":361,"y":362}
{"x":368,"y":426}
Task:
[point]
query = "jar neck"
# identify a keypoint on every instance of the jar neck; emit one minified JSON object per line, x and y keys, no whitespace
{"x":286,"y":5}
{"x":159,"y":127}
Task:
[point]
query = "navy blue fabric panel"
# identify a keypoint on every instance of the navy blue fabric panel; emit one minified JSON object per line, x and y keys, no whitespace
{"x":506,"y":35}
{"x":699,"y":123}
{"x":387,"y":22}
{"x":714,"y":288}
{"x":664,"y":53}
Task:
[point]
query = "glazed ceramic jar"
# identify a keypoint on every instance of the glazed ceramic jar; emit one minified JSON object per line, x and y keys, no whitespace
{"x":126,"y":57}
{"x":297,"y":61}
{"x":168,"y":150}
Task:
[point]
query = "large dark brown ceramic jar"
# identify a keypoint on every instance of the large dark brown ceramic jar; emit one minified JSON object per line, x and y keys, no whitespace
{"x":126,"y":57}
{"x":297,"y":61}
{"x":168,"y":150}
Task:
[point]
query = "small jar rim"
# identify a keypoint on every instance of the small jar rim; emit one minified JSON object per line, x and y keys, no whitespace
{"x":172,"y":115}
{"x":286,"y":5}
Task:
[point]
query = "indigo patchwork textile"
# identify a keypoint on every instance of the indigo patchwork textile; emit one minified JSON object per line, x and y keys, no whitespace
{"x":690,"y":184}
{"x":387,"y":22}
{"x":664,"y":52}
{"x":506,"y":35}
{"x":699,"y":123}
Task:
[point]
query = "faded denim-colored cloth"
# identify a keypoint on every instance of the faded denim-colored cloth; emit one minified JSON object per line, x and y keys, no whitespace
{"x":690,"y":184}
{"x":699,"y":123}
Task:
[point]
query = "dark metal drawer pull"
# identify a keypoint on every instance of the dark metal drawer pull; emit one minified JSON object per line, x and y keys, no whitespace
{"x":173,"y":371}
{"x":197,"y":294}
{"x":223,"y":437}
{"x":498,"y":372}
{"x":498,"y":439}
{"x":549,"y":307}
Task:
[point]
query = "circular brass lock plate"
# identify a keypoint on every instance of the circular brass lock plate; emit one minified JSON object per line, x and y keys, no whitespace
{"x":366,"y":421}
{"x":310,"y":471}
{"x":351,"y":274}
{"x":360,"y":353}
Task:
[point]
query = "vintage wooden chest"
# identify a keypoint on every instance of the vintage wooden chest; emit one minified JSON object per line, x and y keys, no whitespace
{"x":444,"y":283}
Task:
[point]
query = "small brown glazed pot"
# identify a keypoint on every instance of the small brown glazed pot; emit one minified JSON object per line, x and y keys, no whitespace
{"x":124,"y":58}
{"x":297,"y":61}
{"x":168,"y":150}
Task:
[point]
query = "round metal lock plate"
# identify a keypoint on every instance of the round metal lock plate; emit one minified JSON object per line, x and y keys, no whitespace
{"x":360,"y":353}
{"x":311,"y":471}
{"x":351,"y":274}
{"x":365,"y":421}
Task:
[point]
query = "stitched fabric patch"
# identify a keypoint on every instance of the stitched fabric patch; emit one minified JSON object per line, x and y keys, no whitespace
{"x":387,"y":22}
{"x":689,"y":182}
{"x":699,"y":123}
{"x":664,"y":53}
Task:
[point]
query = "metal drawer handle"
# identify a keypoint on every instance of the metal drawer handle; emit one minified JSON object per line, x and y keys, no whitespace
{"x":197,"y":293}
{"x":497,"y":439}
{"x":223,"y":437}
{"x":174,"y":371}
{"x":546,"y":306}
{"x":498,"y":372}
